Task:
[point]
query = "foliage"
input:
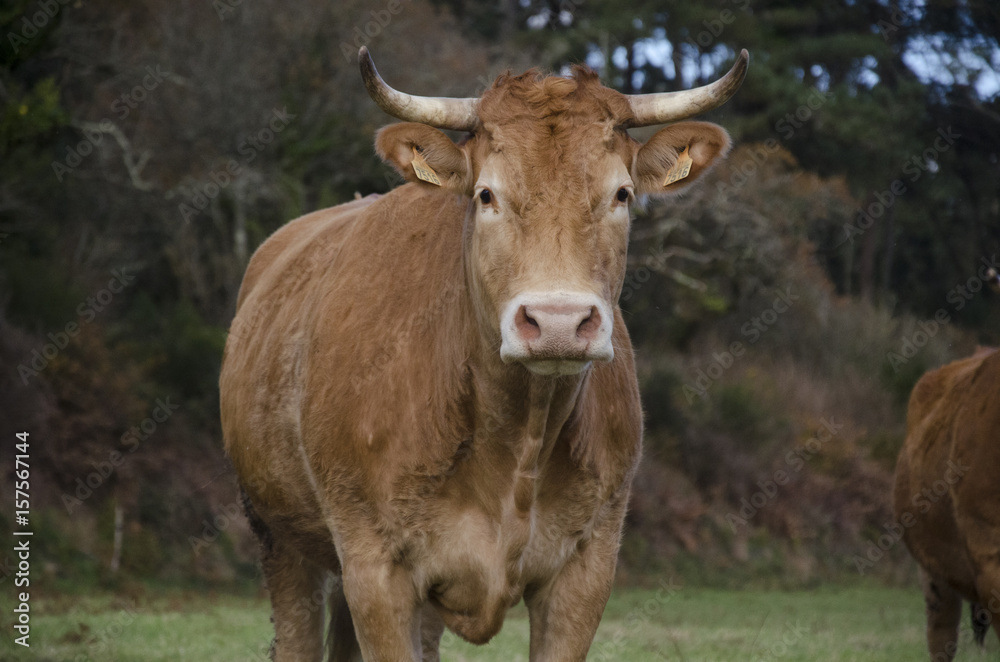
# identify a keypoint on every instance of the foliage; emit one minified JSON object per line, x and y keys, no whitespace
{"x":169,"y":139}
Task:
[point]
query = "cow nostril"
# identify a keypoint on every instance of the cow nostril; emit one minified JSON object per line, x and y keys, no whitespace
{"x":527,"y":326}
{"x":590,"y":325}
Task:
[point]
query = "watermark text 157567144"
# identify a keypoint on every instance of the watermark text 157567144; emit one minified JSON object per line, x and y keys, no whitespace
{"x":22,"y":546}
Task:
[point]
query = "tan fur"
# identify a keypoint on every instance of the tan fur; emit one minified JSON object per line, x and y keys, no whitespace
{"x":954,"y":534}
{"x":375,"y":429}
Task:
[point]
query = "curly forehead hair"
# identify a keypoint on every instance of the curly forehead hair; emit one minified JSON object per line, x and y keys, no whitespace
{"x":577,"y":99}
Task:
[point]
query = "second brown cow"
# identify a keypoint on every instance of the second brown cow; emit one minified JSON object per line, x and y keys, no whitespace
{"x":947,"y":496}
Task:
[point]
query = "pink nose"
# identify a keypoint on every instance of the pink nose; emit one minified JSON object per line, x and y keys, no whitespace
{"x":557,"y":330}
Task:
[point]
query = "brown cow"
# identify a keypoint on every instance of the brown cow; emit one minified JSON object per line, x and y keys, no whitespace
{"x":947,"y":496}
{"x":432,"y":393}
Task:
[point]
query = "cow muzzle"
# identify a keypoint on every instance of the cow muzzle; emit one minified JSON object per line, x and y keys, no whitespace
{"x":556,"y":333}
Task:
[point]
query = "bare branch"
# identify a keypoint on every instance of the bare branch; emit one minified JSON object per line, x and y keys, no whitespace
{"x":133,"y":164}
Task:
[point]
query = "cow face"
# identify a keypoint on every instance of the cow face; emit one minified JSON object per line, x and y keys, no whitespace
{"x":550,"y":171}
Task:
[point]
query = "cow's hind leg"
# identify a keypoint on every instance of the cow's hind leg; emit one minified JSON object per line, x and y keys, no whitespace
{"x":297,"y":599}
{"x":342,"y":644}
{"x":980,"y":622}
{"x":944,"y":611}
{"x":431,"y":629}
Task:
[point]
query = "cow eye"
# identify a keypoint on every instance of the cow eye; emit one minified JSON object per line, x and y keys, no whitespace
{"x":622,"y":195}
{"x":485,"y":196}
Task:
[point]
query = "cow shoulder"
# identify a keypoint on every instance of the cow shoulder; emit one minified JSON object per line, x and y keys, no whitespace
{"x":936,"y":395}
{"x":389,"y":340}
{"x":296,"y":236}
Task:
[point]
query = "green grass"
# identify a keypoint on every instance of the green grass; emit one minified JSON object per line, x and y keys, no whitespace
{"x":863,"y":624}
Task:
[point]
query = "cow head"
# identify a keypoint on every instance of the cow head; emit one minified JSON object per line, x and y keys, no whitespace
{"x":550,"y":171}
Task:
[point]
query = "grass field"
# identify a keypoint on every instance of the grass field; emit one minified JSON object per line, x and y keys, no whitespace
{"x":863,"y":624}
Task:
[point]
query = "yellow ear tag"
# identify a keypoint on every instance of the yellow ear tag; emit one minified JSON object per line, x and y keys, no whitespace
{"x":680,"y":169}
{"x":422,"y":170}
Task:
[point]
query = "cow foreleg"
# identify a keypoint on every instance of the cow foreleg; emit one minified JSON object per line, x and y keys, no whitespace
{"x":978,"y":520}
{"x":988,"y":587}
{"x":384,"y":608}
{"x":944,"y":611}
{"x":565,"y":613}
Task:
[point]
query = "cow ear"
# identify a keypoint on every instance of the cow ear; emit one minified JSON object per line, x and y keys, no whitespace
{"x":423,"y":154}
{"x":660,"y":166}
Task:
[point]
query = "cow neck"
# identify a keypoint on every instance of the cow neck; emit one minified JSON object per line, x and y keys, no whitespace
{"x":523,"y":412}
{"x":540,"y":394}
{"x":551,"y":402}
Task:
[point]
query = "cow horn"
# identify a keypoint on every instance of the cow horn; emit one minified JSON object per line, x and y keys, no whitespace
{"x":440,"y":112}
{"x":662,"y":107}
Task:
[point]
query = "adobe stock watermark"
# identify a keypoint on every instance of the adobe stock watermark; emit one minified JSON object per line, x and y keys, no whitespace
{"x":958,"y":296}
{"x":131,"y":99}
{"x":752,"y":330}
{"x":249,"y":148}
{"x":94,"y":133}
{"x":656,"y":260}
{"x":290,"y":628}
{"x":31,"y":26}
{"x":225,"y":517}
{"x":716,"y":26}
{"x":791,"y":635}
{"x":786,"y":128}
{"x":100,"y":644}
{"x":634,"y":620}
{"x":87,"y":312}
{"x":914,"y":167}
{"x":897,"y":19}
{"x":922,"y":502}
{"x":247,"y":322}
{"x":795,"y":461}
{"x":225,"y":8}
{"x":363,"y":35}
{"x":130,"y":441}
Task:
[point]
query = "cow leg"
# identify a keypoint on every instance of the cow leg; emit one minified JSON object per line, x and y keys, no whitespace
{"x":431,"y":629}
{"x":979,"y":523}
{"x":981,"y":619}
{"x":565,"y":613}
{"x":988,"y":588}
{"x":297,"y":599}
{"x":944,"y":611}
{"x":294,"y":584}
{"x":384,"y":608}
{"x":341,"y":642}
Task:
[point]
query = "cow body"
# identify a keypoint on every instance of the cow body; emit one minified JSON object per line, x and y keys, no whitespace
{"x":386,"y":426}
{"x":947,"y":494}
{"x":431,"y":394}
